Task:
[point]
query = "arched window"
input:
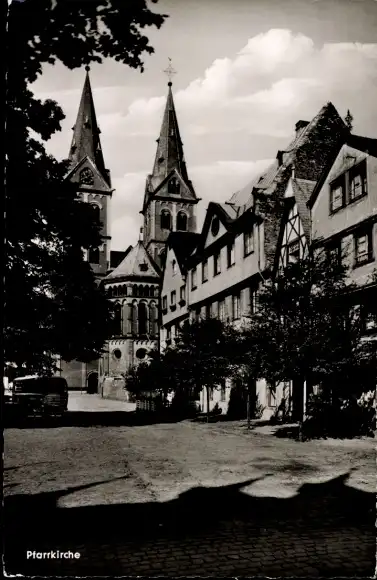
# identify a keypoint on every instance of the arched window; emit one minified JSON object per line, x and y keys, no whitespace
{"x":182,"y":221}
{"x":134,"y":290}
{"x":173,"y":185}
{"x":153,"y":319}
{"x":86,"y":176}
{"x":142,"y":317}
{"x":117,"y":319}
{"x":96,"y":213}
{"x":134,"y":318}
{"x":93,"y":256}
{"x":165,"y":220}
{"x":151,"y":291}
{"x":129,"y":318}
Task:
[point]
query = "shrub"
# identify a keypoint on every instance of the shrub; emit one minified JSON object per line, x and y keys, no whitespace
{"x":340,"y":417}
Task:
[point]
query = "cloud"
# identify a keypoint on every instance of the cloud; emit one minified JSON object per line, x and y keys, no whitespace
{"x":253,"y":97}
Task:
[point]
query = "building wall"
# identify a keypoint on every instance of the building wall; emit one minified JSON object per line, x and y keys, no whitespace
{"x":173,"y":282}
{"x":327,"y":225}
{"x":243,"y":268}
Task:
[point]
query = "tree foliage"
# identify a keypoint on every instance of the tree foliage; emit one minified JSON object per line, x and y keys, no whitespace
{"x":306,"y":328}
{"x":53,"y":303}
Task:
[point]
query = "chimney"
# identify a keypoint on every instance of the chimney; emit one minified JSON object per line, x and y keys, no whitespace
{"x":141,"y":235}
{"x":279,"y":157}
{"x":300,"y":125}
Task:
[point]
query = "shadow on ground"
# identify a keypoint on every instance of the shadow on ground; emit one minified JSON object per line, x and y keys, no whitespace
{"x":326,"y":529}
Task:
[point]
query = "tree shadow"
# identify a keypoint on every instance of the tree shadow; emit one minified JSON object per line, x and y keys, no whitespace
{"x":327,"y":526}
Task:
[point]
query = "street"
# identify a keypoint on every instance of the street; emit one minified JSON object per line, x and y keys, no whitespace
{"x":184,"y":499}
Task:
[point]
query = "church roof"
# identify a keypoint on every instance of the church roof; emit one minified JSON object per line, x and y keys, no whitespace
{"x":169,"y":159}
{"x":136,"y":264}
{"x":86,"y":133}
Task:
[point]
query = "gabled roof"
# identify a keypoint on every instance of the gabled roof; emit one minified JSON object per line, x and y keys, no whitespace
{"x":183,"y":244}
{"x":117,"y":256}
{"x":99,"y":181}
{"x":137,"y":264}
{"x":86,"y":133}
{"x":364,"y":144}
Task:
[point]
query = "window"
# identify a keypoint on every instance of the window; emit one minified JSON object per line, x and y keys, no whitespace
{"x":293,"y":252}
{"x":208,"y":311}
{"x":164,"y":303}
{"x":215,"y":226}
{"x":173,"y":186}
{"x":141,"y":353}
{"x":334,"y":253}
{"x":222,"y":312}
{"x":248,"y":242}
{"x":370,"y":319}
{"x":168,"y":333}
{"x":165,"y":220}
{"x":182,"y":221}
{"x":236,"y":310}
{"x":117,"y":354}
{"x":153,"y":319}
{"x":182,"y":293}
{"x":216,"y":263}
{"x":117,"y":319}
{"x":271,"y":396}
{"x":173,"y":298}
{"x":223,"y":392}
{"x":337,"y":194}
{"x":96,"y":211}
{"x":358,"y":181}
{"x":142,"y":317}
{"x":193,"y":279}
{"x":363,"y":248}
{"x":174,"y":267}
{"x":93,"y":256}
{"x":205,"y":271}
{"x":230,"y":254}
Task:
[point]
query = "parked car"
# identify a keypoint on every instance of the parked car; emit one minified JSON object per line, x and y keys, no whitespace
{"x":34,"y":395}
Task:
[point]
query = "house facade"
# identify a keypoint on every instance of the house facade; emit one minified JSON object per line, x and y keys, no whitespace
{"x":344,"y":220}
{"x":265,"y":224}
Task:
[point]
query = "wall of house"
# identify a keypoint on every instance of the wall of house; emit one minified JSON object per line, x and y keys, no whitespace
{"x":173,"y":282}
{"x":243,"y":268}
{"x":326,"y":224}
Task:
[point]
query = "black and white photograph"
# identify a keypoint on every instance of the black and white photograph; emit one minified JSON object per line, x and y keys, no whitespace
{"x":190,"y":289}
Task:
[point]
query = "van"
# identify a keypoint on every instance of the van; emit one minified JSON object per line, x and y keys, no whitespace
{"x":34,"y":395}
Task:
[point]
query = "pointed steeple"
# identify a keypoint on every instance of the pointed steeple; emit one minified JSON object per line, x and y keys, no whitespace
{"x":169,"y":154}
{"x":86,"y":133}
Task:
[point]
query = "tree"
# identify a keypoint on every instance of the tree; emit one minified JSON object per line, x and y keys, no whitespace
{"x":203,"y":354}
{"x":54,"y":305}
{"x":306,"y":329}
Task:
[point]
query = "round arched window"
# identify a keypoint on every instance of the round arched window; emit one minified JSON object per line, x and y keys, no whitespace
{"x":117,"y":353}
{"x":86,"y":176}
{"x":141,"y":353}
{"x":215,"y":226}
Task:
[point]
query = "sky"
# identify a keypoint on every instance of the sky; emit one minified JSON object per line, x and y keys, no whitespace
{"x":247,"y":71}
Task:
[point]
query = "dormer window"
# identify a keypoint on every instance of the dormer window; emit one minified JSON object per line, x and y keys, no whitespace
{"x":337,"y":194}
{"x":143,"y":267}
{"x":358,"y":181}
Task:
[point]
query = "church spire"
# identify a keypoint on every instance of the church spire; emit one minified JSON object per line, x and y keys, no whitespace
{"x":169,"y":154}
{"x":86,"y":133}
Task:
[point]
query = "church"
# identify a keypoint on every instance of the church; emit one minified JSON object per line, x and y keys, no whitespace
{"x":132,"y":279}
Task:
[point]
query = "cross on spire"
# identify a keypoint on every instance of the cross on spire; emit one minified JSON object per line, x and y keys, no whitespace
{"x":169,"y":71}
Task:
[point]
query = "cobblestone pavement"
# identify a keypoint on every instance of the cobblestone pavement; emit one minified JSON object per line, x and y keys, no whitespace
{"x":186,"y":499}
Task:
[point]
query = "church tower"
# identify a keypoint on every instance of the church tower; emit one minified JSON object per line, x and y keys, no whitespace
{"x":87,"y":167}
{"x":169,"y":200}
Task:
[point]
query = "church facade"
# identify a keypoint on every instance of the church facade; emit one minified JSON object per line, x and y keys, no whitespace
{"x":131,"y":279}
